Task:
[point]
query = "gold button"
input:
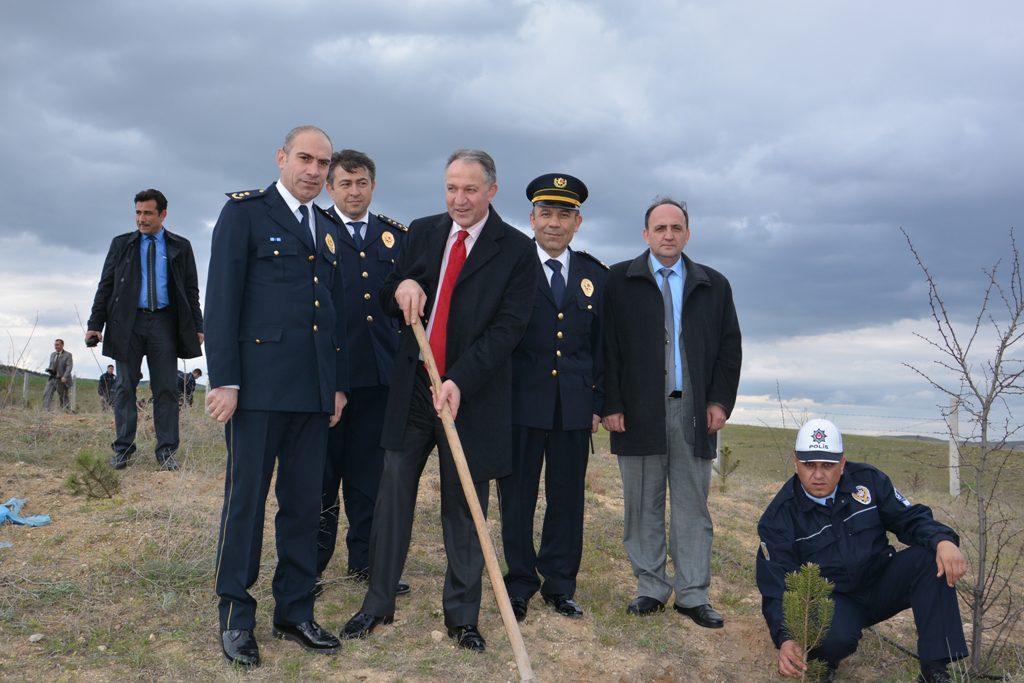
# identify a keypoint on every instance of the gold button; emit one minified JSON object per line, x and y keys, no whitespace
{"x":554,"y":373}
{"x":366,"y":296}
{"x":315,"y":328}
{"x":369,"y":318}
{"x":590,"y":307}
{"x":362,"y":254}
{"x":337,"y":348}
{"x":277,"y":253}
{"x":334,"y":263}
{"x":310,"y":258}
{"x":317,"y":303}
{"x":561,"y":316}
{"x":316,"y":280}
{"x":558,"y":353}
{"x":258,"y":341}
{"x":559,"y":335}
{"x":365,"y":274}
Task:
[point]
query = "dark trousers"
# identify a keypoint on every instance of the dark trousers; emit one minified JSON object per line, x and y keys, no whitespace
{"x":255,"y":440}
{"x":354,"y":461}
{"x":154,"y":336}
{"x":393,"y":517}
{"x":564,"y":455}
{"x":908,"y":580}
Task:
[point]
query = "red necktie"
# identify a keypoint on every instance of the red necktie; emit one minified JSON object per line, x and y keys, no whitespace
{"x":439,"y":330}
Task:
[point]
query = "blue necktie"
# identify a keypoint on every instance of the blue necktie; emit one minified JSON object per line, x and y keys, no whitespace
{"x":151,"y":274}
{"x":557,"y":281}
{"x":304,"y":210}
{"x":357,"y":233}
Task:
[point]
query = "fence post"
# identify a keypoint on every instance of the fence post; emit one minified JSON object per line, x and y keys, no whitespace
{"x":954,"y":447}
{"x":74,"y":395}
{"x":24,"y":388}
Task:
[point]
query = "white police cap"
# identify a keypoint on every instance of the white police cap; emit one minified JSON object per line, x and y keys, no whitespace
{"x":819,"y":441}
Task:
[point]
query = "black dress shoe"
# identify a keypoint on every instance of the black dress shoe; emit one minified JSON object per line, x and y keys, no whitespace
{"x":934,"y":672}
{"x":239,"y":647}
{"x":468,"y":637}
{"x":519,"y":607}
{"x":564,"y":605}
{"x":309,"y":634}
{"x":168,"y":463}
{"x":644,"y":606}
{"x":402,"y":589}
{"x":119,"y":461}
{"x":362,"y":624}
{"x":704,"y":615}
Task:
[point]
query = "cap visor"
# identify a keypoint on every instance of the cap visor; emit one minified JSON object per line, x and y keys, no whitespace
{"x":818,"y":456}
{"x":557,"y":204}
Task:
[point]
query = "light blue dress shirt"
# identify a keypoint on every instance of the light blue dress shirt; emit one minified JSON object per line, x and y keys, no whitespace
{"x":162,"y":298}
{"x":821,"y":501}
{"x":676,"y":279}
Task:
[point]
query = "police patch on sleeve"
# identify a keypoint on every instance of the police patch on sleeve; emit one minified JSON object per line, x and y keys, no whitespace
{"x":900,"y":497}
{"x":862,"y":495}
{"x":764,"y":551}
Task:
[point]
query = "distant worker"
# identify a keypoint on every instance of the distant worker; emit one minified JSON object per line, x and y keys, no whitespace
{"x":105,"y":387}
{"x":369,"y":248}
{"x":59,"y":369}
{"x":187,"y":385}
{"x":835,"y":514}
{"x":148,"y":300}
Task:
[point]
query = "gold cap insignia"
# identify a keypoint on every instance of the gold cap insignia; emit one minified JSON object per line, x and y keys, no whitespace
{"x":329,"y":240}
{"x":388,"y":239}
{"x":560,"y":183}
{"x":587,"y":286}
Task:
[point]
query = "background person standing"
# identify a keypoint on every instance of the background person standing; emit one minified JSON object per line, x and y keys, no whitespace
{"x":148,"y":301}
{"x":105,"y":387}
{"x":59,"y":369}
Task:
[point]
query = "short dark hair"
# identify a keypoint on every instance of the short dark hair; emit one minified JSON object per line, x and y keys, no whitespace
{"x":155,"y":195}
{"x":109,"y":366}
{"x":59,"y":340}
{"x":197,"y":372}
{"x":662,"y":201}
{"x":350,"y":161}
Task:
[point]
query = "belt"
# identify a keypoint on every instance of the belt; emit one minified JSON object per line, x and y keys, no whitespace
{"x":158,"y":310}
{"x":676,"y":394}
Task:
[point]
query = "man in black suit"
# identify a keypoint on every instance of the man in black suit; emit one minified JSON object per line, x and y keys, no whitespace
{"x":148,"y":299}
{"x":105,"y":387}
{"x":369,"y":246}
{"x":476,"y":275}
{"x":278,"y":373}
{"x":187,"y":385}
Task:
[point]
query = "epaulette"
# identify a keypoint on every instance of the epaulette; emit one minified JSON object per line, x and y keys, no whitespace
{"x":591,"y":257}
{"x":243,"y":195}
{"x":393,"y":223}
{"x":328,"y":215}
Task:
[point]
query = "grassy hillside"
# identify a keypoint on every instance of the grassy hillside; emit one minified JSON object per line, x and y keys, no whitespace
{"x":122,"y":588}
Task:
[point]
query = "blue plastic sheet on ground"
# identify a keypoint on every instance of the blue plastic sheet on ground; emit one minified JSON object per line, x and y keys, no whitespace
{"x":11,"y":512}
{"x":6,"y":544}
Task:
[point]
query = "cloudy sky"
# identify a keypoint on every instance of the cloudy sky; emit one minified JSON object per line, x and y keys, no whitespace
{"x":801,"y":135}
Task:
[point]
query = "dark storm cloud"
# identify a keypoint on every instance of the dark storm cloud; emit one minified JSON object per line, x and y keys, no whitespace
{"x":802,"y":136}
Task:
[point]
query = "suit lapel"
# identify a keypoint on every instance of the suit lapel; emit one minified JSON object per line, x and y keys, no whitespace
{"x":278,"y":211}
{"x":373,"y":230}
{"x":572,"y":286}
{"x":343,"y":234}
{"x":485,"y":248}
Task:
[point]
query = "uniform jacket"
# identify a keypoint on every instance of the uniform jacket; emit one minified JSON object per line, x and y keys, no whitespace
{"x":847,"y":539}
{"x":61,"y":363}
{"x":570,"y":367}
{"x":490,"y":309}
{"x":105,"y":386}
{"x":634,"y":325}
{"x":117,"y":296}
{"x":275,"y":306}
{"x":372,"y":335}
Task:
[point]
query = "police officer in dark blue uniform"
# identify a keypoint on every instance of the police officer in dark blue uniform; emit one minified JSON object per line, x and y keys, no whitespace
{"x":368,"y":249}
{"x":836,"y":514}
{"x":278,"y":368}
{"x":557,"y":400}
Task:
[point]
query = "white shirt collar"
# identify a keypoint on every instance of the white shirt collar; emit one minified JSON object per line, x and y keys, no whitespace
{"x":346,"y":220}
{"x":562,"y":258}
{"x":473,"y":230}
{"x":291,"y":201}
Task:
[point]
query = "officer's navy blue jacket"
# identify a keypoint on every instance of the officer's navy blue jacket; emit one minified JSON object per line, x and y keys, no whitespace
{"x":847,"y":539}
{"x":271,"y":297}
{"x":372,"y":334}
{"x":570,"y":367}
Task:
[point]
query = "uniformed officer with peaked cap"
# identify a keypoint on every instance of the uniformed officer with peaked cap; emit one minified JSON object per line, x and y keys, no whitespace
{"x":557,"y":399}
{"x":835,"y":514}
{"x":368,"y":248}
{"x":278,"y":366}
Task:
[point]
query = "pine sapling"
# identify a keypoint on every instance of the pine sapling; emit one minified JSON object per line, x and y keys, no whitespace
{"x":807,"y":613}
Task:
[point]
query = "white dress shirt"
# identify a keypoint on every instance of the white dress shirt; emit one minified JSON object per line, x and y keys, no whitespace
{"x":293,"y":206}
{"x":562,"y":258}
{"x":474,"y":232}
{"x":349,"y":221}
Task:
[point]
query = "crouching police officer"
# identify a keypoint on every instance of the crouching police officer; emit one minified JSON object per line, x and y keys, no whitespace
{"x":836,"y":514}
{"x":557,"y":398}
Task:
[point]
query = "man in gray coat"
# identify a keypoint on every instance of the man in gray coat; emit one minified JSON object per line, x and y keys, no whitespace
{"x":672,"y":369}
{"x":59,"y":369}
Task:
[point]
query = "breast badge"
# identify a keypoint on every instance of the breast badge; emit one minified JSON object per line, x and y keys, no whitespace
{"x":587,"y":286}
{"x":329,"y":240}
{"x":862,"y":495}
{"x":388,"y":239}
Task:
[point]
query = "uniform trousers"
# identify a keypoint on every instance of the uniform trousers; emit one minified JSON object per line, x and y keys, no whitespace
{"x":907,"y":580}
{"x":688,"y":478}
{"x":564,"y":455}
{"x":154,"y":336}
{"x":394,"y":512}
{"x":257,"y":439}
{"x":354,"y":462}
{"x":54,"y":385}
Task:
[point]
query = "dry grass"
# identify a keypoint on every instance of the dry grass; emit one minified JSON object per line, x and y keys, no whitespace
{"x":122,"y":588}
